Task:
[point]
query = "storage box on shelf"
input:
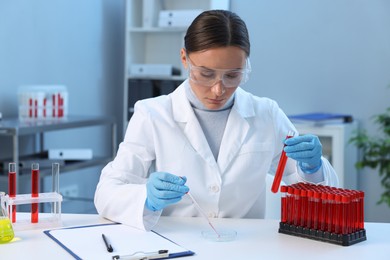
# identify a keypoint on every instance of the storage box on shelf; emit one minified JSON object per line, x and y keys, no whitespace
{"x":42,"y":102}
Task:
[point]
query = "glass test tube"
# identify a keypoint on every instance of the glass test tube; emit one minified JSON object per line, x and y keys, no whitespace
{"x":350,"y":212}
{"x":361,"y":210}
{"x":337,"y":214}
{"x":345,"y":199}
{"x":56,"y":177}
{"x":330,"y":211}
{"x":12,"y":187}
{"x":55,"y":185}
{"x":290,"y":204}
{"x":283,"y":210}
{"x":304,"y":208}
{"x":281,"y":166}
{"x":310,"y":208}
{"x":353,"y":213}
{"x":297,"y":206}
{"x":316,"y":209}
{"x":34,"y":191}
{"x":344,"y":212}
{"x":323,"y":206}
{"x":358,"y":215}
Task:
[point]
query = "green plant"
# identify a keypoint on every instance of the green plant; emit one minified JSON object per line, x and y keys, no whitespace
{"x":376,"y":152}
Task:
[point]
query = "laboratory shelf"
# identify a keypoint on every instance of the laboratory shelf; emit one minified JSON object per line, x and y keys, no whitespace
{"x":25,"y":175}
{"x":16,"y":128}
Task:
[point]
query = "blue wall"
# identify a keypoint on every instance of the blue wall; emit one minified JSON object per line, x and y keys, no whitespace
{"x":324,"y":56}
{"x":74,"y":43}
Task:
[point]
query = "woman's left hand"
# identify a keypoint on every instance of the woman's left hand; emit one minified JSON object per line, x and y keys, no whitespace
{"x":307,"y":150}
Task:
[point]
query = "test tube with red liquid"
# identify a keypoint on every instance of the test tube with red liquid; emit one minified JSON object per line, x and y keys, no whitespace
{"x":323,"y":208}
{"x":12,"y":187}
{"x":361,"y":209}
{"x":331,"y":213}
{"x":34,"y":191}
{"x":281,"y":166}
{"x":344,"y":219}
{"x":337,"y":221}
{"x":316,"y":210}
{"x":310,"y":208}
{"x":283,"y":210}
{"x":297,"y":206}
{"x":290,"y":204}
{"x":304,"y":207}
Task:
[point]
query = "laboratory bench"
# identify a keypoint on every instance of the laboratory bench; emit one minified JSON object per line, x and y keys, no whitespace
{"x":256,"y":239}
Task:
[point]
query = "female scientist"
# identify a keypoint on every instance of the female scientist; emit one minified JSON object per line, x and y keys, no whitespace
{"x":209,"y":137}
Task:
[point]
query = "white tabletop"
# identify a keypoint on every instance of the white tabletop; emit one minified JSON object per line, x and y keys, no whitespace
{"x":256,"y":239}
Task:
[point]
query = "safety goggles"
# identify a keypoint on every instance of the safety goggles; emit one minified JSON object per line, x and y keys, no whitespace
{"x":230,"y":78}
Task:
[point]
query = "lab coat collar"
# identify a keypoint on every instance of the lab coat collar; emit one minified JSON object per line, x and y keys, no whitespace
{"x":182,"y":109}
{"x":236,"y":130}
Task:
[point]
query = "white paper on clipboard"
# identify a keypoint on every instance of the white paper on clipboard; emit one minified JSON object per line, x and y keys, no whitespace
{"x":86,"y":242}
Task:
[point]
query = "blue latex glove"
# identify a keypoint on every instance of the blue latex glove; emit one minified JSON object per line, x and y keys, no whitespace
{"x":307,"y":150}
{"x":164,"y":189}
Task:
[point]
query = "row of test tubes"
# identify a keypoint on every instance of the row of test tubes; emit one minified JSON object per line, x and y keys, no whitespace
{"x":43,"y":104}
{"x":324,"y":208}
{"x":35,"y":179}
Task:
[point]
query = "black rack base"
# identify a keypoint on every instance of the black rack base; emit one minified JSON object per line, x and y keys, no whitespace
{"x":339,"y":239}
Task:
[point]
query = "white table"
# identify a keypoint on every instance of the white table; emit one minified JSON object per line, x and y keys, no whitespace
{"x":256,"y":239}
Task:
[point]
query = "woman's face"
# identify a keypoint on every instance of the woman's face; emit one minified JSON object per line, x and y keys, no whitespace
{"x":214,"y":73}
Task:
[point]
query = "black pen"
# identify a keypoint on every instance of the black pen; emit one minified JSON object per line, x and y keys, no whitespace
{"x":109,"y":247}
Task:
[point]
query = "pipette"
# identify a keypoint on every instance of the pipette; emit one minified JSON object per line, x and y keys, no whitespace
{"x":203,"y":213}
{"x":281,"y":166}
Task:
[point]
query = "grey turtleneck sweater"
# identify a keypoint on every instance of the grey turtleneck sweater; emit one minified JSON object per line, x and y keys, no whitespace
{"x":213,"y":122}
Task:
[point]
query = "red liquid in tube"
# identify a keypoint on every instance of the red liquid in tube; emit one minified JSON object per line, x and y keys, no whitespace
{"x":34,"y":191}
{"x":12,"y":188}
{"x":284,"y":204}
{"x":280,"y":169}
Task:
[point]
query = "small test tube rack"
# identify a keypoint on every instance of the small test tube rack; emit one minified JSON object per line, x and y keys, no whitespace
{"x":323,"y":213}
{"x":54,"y":198}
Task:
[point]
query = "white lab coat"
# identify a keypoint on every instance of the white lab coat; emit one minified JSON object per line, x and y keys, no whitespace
{"x":164,"y":135}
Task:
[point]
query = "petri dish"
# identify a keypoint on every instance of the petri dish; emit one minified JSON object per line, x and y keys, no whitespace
{"x":224,"y":235}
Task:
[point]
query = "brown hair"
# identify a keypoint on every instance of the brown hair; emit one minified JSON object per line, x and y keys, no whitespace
{"x":217,"y":28}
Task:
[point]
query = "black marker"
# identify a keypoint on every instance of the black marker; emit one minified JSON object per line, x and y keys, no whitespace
{"x":109,"y":247}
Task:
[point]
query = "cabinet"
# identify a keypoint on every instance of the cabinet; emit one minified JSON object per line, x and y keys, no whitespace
{"x":336,"y":148}
{"x":147,"y":43}
{"x":15,"y":129}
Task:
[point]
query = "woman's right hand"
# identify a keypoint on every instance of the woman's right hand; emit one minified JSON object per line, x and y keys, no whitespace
{"x":164,"y":189}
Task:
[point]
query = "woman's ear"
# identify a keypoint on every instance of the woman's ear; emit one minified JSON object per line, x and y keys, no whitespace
{"x":183,"y":57}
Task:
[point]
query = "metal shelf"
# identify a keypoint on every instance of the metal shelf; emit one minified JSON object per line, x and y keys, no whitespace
{"x":69,"y":166}
{"x":15,"y":128}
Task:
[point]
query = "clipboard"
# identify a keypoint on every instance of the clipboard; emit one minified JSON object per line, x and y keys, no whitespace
{"x":85,"y":242}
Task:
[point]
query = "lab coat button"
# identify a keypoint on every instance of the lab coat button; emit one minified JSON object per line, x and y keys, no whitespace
{"x":212,"y":215}
{"x":214,"y":188}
